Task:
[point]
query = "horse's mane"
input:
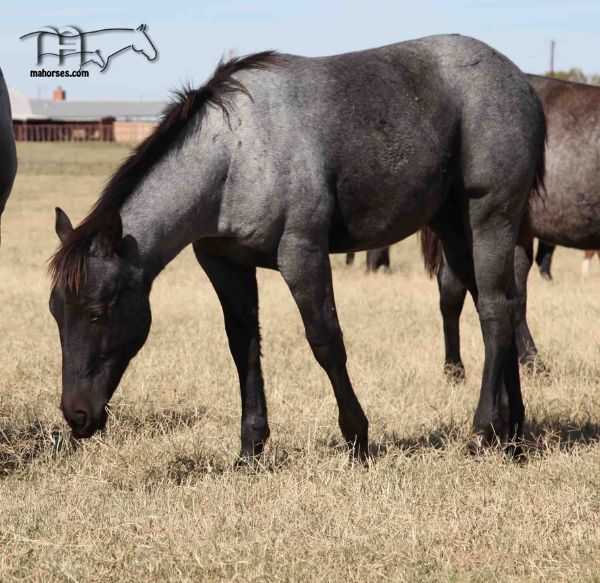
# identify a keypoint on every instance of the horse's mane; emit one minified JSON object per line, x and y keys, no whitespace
{"x":67,"y":266}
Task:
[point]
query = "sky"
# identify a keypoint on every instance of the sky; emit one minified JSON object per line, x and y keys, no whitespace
{"x":191,"y":36}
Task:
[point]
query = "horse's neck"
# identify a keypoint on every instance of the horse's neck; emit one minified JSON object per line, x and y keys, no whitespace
{"x":177,"y":202}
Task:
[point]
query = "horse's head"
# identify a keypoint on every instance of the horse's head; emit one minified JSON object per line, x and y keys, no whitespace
{"x":103,"y":319}
{"x":143,"y":44}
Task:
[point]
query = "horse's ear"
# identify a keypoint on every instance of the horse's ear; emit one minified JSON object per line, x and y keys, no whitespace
{"x":62,"y":225}
{"x":141,"y":27}
{"x":111,"y":233}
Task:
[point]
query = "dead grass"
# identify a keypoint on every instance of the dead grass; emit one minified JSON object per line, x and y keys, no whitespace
{"x":157,"y":497}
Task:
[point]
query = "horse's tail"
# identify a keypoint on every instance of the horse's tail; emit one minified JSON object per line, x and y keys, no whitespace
{"x":539,"y":186}
{"x":431,"y":249}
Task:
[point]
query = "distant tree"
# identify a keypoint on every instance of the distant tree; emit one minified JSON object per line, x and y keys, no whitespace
{"x":594,"y":79}
{"x":575,"y":74}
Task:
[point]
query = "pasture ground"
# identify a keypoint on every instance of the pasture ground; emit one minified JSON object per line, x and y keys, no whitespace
{"x":157,"y":497}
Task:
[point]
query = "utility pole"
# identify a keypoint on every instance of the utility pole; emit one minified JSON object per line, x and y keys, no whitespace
{"x":552,"y":46}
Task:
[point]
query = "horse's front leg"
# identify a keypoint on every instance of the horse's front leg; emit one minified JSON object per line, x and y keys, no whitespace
{"x":528,"y":354}
{"x":305,"y":267}
{"x":238,"y":293}
{"x":543,"y":258}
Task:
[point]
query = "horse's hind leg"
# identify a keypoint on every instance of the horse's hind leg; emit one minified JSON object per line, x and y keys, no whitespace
{"x":452,"y":299}
{"x":494,"y":240}
{"x":305,"y":267}
{"x":237,"y":291}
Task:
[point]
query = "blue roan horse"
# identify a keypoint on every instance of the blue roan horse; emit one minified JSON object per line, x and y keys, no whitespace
{"x":8,"y":151}
{"x":279,"y":160}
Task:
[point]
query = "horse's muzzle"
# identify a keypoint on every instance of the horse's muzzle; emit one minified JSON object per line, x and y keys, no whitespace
{"x":83,"y":424}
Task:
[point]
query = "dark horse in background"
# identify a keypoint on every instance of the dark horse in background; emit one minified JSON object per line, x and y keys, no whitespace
{"x":376,"y":258}
{"x":545,"y":253}
{"x":8,"y":151}
{"x":568,"y":214}
{"x":279,"y":160}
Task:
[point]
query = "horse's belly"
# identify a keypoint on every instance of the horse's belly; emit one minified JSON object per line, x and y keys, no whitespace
{"x":380,"y":217}
{"x":567,"y":218}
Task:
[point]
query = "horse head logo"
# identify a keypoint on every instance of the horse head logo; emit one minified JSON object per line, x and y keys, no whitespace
{"x":143,"y":44}
{"x":98,"y":47}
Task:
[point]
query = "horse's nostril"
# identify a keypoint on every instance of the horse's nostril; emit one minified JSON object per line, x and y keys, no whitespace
{"x":77,"y":419}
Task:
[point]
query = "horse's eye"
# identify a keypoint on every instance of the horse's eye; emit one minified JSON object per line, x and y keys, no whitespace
{"x":96,"y":316}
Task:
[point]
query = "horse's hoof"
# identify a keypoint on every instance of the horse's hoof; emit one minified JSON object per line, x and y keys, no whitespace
{"x":483,"y":441}
{"x":490,"y":433}
{"x":358,"y":450}
{"x":246,"y":462}
{"x":360,"y":455}
{"x":515,"y":451}
{"x":475,"y":444}
{"x":534,"y":366}
{"x":454,"y":372}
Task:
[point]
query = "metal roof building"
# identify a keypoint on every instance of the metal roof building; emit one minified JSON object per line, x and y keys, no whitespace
{"x":58,"y":119}
{"x":24,"y":108}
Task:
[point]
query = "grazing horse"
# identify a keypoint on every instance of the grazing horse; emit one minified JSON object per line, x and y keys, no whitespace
{"x":279,"y":160}
{"x":8,"y":150}
{"x":568,"y":214}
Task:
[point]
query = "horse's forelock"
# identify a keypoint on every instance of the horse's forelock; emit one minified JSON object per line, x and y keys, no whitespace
{"x":68,"y":266}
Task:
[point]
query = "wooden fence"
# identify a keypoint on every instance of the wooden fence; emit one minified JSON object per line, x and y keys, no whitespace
{"x":67,"y":132}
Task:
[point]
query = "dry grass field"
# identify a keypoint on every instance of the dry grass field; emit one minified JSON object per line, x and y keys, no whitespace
{"x":157,"y":498}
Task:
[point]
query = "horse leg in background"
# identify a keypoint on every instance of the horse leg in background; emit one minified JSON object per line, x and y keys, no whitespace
{"x":377,"y":258}
{"x":526,"y":348}
{"x":543,"y":258}
{"x":238,"y":293}
{"x":306,"y":270}
{"x":452,"y":299}
{"x":587,"y":262}
{"x":349,"y":259}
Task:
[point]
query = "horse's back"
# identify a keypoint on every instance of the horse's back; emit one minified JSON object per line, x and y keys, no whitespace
{"x":380,"y":133}
{"x":8,"y":154}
